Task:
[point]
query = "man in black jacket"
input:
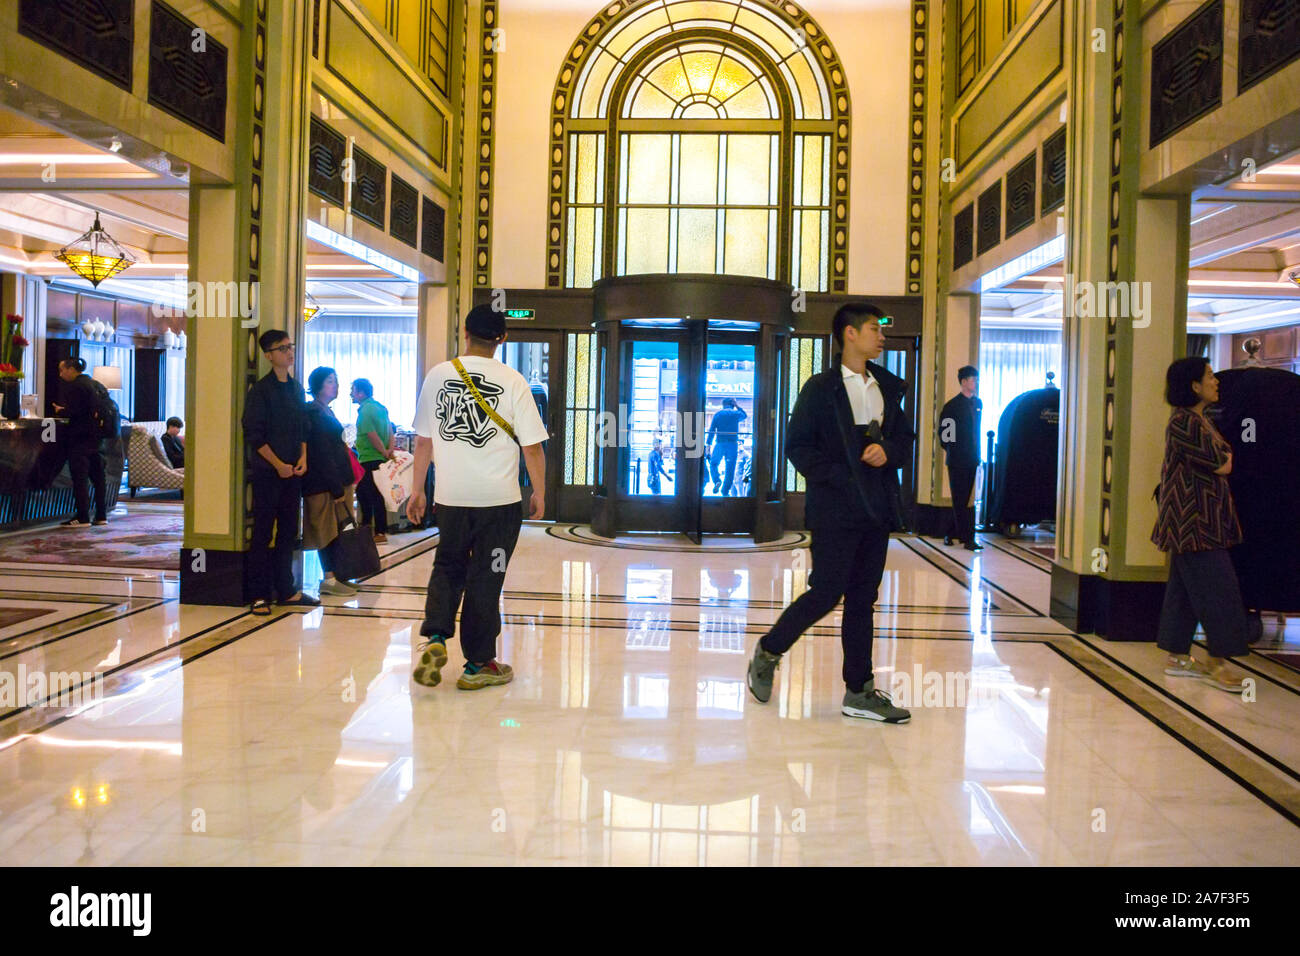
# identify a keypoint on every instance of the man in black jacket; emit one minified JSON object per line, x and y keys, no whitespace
{"x":848,"y":436}
{"x":85,"y":460}
{"x":275,"y":432}
{"x":959,"y":434}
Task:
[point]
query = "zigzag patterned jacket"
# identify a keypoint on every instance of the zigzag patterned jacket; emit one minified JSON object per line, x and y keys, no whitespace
{"x":1195,"y":510}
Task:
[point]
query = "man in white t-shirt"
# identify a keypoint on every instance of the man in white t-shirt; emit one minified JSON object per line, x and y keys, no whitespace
{"x":473,"y":421}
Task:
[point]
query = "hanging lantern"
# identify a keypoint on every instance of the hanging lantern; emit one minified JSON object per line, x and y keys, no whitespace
{"x":310,"y":308}
{"x":96,"y":256}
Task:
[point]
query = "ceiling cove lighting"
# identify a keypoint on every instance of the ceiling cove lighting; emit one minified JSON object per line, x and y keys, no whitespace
{"x":95,"y":256}
{"x":1021,"y":266}
{"x":355,"y":249}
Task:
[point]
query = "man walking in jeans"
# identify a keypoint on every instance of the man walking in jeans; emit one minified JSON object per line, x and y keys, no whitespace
{"x":848,"y":436}
{"x":472,"y":420}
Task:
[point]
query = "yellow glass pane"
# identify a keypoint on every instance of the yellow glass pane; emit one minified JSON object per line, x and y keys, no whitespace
{"x":700,"y":68}
{"x":700,"y":110}
{"x":749,"y":103}
{"x":670,"y":77}
{"x":591,"y":84}
{"x":584,"y":247}
{"x":774,"y":38}
{"x":698,"y":170}
{"x":745,"y":242}
{"x":808,"y":91}
{"x":810,"y":250}
{"x":812,"y":170}
{"x":719,"y":11}
{"x":648,"y":167}
{"x":647,"y":241}
{"x":748,"y":169}
{"x":650,"y":103}
{"x":635,"y":29}
{"x":731,"y":77}
{"x":585,"y":176}
{"x":697,"y":240}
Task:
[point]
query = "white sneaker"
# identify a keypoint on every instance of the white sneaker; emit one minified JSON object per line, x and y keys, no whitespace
{"x":1177,"y":666}
{"x":337,"y":588}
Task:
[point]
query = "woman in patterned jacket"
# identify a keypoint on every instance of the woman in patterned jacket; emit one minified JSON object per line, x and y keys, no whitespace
{"x":1197,"y":523}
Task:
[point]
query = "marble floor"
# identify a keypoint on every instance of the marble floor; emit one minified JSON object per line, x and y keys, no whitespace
{"x":204,"y":736}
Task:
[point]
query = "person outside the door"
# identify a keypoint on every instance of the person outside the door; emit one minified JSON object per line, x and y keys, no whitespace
{"x":959,"y":433}
{"x":275,"y":433}
{"x":472,"y":422}
{"x":848,"y":436}
{"x":657,"y":468}
{"x":85,"y":458}
{"x":374,"y":447}
{"x":724,"y":437}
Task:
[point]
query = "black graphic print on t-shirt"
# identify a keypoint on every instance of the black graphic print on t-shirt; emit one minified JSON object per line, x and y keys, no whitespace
{"x":459,"y":416}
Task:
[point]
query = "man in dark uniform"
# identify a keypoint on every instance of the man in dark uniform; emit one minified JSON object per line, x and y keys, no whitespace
{"x":848,"y":436}
{"x":959,"y":433}
{"x":85,"y":460}
{"x":657,"y":471}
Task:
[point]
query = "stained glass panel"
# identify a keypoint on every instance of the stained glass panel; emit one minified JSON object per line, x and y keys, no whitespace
{"x":700,"y":68}
{"x":648,"y":168}
{"x":597,"y":73}
{"x":731,"y":76}
{"x":748,"y":169}
{"x":646,"y":238}
{"x":670,"y":76}
{"x":696,"y":240}
{"x":699,"y":169}
{"x":651,"y":103}
{"x":746,"y":242}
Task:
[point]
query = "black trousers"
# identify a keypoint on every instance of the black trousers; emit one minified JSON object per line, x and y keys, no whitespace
{"x":846,"y":563}
{"x":1203,"y":587}
{"x":474,"y":549}
{"x":373,"y":509}
{"x":962,"y":479}
{"x":86,"y":465}
{"x":277,"y":503}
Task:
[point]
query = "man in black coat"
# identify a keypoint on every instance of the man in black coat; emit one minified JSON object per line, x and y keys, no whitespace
{"x":848,"y":436}
{"x":84,"y":440}
{"x":275,"y":432}
{"x":959,"y":434}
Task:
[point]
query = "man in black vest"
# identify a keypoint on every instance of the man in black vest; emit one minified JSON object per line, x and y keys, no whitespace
{"x":959,"y":434}
{"x":848,"y":436}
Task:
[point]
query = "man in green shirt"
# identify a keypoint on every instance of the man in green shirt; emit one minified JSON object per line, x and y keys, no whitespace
{"x":374,"y":447}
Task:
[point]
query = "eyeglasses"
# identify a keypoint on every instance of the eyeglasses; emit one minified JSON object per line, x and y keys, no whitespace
{"x":287,"y":347}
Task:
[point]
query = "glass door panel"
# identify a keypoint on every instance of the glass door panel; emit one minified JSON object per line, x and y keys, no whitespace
{"x":730,"y":377}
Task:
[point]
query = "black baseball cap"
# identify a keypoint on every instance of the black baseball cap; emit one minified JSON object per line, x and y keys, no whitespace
{"x":484,"y":322}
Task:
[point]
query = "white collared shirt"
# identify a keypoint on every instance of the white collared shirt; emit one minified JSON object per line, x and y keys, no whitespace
{"x":865,"y":397}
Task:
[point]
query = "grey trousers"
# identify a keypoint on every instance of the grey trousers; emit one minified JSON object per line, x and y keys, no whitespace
{"x":1203,"y":587}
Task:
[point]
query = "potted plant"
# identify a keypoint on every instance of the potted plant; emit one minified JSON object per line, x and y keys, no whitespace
{"x":12,"y":344}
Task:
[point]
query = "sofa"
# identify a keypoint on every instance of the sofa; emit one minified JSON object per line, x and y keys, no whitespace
{"x":146,"y":463}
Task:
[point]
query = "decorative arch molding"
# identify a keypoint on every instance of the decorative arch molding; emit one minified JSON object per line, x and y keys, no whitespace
{"x":771,"y":31}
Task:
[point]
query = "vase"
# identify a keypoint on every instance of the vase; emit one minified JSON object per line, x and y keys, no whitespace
{"x":10,"y":406}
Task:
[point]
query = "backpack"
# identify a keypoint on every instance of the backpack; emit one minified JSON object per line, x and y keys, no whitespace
{"x":104,"y":413}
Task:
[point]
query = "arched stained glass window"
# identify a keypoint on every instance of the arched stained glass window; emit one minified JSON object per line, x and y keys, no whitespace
{"x":700,"y":136}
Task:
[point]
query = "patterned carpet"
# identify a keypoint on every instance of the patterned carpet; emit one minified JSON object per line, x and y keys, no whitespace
{"x":132,"y":541}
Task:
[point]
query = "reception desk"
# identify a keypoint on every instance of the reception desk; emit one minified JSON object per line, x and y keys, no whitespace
{"x":35,"y":486}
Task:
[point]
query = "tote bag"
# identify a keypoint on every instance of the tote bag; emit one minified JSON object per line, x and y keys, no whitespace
{"x":353,"y":552}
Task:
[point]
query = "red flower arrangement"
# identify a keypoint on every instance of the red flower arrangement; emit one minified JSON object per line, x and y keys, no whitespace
{"x":12,"y":344}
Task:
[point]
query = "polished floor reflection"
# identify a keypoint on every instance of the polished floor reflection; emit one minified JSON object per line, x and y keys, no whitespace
{"x":628,"y":736}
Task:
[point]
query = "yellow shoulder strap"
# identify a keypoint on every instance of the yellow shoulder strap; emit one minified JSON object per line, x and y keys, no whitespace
{"x":478,"y":397}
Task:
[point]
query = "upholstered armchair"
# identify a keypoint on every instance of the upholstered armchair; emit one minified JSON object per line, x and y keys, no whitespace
{"x":146,"y":464}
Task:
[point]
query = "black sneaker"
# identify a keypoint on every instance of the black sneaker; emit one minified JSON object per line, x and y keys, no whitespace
{"x":762,"y":669}
{"x":873,"y":704}
{"x":99,"y":521}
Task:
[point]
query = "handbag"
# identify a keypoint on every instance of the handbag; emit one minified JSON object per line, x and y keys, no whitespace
{"x":353,"y":552}
{"x":482,"y":402}
{"x":357,"y":471}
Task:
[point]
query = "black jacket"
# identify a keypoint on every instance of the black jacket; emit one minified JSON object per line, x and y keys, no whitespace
{"x":173,"y":449}
{"x":964,"y":449}
{"x":274,"y":414}
{"x":824,"y":444}
{"x":329,"y":466}
{"x":79,"y":400}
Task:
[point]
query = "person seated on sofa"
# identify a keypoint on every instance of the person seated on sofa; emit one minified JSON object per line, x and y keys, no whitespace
{"x":173,"y":442}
